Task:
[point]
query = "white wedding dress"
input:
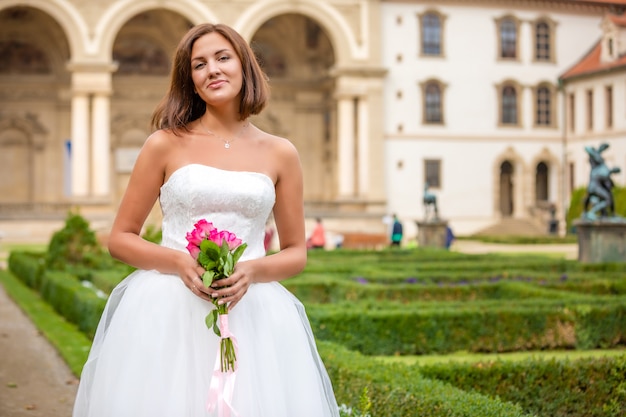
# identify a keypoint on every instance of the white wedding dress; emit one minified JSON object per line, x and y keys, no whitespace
{"x":152,"y":354}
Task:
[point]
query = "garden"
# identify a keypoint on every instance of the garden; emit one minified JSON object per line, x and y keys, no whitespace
{"x":404,"y":332}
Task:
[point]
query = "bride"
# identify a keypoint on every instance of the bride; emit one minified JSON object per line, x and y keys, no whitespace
{"x":153,"y":354}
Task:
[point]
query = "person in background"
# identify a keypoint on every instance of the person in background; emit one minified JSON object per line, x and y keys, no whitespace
{"x":396,"y":232}
{"x":317,"y":240}
{"x":449,"y":237}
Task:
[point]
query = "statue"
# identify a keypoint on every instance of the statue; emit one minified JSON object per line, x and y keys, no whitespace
{"x":600,"y":188}
{"x":430,"y":204}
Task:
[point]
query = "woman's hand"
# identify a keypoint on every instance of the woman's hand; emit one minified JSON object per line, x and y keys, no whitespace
{"x":190,"y":272}
{"x":232,"y":289}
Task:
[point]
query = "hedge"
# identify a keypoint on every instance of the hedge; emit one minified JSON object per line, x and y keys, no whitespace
{"x":592,"y":387}
{"x":414,"y":330}
{"x":62,"y":290}
{"x":401,"y":391}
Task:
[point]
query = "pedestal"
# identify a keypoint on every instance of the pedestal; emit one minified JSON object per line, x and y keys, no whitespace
{"x":432,"y":233}
{"x":601,"y":241}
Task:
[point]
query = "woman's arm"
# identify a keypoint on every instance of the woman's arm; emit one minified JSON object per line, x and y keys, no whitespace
{"x":125,"y":242}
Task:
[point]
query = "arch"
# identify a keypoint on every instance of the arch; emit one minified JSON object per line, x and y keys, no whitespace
{"x":65,"y":14}
{"x":121,"y":12}
{"x":507,"y":171}
{"x":506,"y":192}
{"x":335,"y":26}
{"x":551,"y":180}
{"x":542,"y":183}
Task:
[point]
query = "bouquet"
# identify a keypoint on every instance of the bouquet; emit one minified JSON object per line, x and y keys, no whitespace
{"x":217,"y":251}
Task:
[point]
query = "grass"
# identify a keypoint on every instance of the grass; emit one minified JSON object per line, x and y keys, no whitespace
{"x":71,"y":343}
{"x":466,"y":357}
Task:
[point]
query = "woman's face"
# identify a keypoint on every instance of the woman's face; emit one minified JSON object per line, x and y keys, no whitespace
{"x":216,"y":70}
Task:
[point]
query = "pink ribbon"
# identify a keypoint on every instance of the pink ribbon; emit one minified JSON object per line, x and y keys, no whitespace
{"x":223,"y":383}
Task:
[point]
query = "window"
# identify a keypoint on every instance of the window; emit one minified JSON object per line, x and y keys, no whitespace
{"x":432,"y":103}
{"x":508,"y":38}
{"x":589,"y":109}
{"x":541,"y":182}
{"x":609,"y":106}
{"x":572,"y":112}
{"x":544,"y":106}
{"x":542,"y":42}
{"x":432,"y":172}
{"x":509,"y":105}
{"x":543,"y":37}
{"x":431,"y":34}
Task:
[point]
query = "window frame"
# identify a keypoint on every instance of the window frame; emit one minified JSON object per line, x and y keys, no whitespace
{"x":551,"y":105}
{"x":589,"y":100}
{"x":499,"y":26}
{"x":608,"y":107}
{"x":551,"y":24}
{"x":421,"y":27}
{"x":571,"y":109}
{"x":437,"y":167}
{"x":424,"y":86}
{"x":517,"y":87}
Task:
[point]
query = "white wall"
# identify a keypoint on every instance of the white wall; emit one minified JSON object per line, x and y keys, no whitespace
{"x":470,"y":144}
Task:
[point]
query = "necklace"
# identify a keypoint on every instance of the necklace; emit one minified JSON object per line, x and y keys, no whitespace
{"x":226,"y":142}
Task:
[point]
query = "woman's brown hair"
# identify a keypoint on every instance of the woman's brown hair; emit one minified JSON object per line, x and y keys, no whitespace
{"x":182,"y":105}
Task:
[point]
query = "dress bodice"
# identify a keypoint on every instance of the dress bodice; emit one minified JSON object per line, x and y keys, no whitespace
{"x":237,"y":201}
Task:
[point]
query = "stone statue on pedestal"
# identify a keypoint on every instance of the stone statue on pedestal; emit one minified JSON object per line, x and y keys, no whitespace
{"x":599,"y":202}
{"x":430,"y":205}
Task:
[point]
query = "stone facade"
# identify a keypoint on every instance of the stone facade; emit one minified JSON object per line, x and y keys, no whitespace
{"x":80,"y":78}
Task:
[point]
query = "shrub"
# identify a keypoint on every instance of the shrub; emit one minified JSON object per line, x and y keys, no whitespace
{"x":591,"y":387}
{"x":74,"y":245}
{"x":576,"y":208}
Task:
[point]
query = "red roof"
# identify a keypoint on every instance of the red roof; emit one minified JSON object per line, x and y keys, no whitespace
{"x":617,"y":20}
{"x":590,"y":63}
{"x":616,"y":2}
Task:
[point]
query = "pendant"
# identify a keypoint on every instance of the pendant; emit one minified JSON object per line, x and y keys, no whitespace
{"x":226,"y":145}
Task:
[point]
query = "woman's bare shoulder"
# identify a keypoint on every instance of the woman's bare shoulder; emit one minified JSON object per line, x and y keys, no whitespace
{"x":279,"y":146}
{"x":160,"y":141}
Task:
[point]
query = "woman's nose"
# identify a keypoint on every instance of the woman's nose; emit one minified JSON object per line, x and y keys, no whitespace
{"x":213,"y":67}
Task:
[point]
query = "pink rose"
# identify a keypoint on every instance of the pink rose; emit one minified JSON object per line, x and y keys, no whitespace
{"x":205,"y":227}
{"x":195,"y":236}
{"x":194,"y":250}
{"x":228,"y":237}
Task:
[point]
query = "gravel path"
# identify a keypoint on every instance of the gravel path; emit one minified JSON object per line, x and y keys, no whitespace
{"x":34,"y":379}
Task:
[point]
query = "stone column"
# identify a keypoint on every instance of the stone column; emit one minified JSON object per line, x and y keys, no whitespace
{"x":91,"y":84}
{"x":101,"y":145}
{"x":363,"y":146}
{"x":346,"y":151}
{"x":80,"y":145}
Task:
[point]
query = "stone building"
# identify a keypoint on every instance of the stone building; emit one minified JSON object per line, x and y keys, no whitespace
{"x":378,"y":96}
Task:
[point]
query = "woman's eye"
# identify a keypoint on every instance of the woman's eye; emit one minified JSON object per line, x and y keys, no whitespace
{"x":224,"y":58}
{"x":198,"y":66}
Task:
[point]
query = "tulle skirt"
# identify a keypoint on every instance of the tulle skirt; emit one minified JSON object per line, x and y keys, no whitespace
{"x":153,"y":355}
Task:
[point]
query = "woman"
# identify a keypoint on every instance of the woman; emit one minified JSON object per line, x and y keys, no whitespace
{"x":152,"y":353}
{"x":317,"y":240}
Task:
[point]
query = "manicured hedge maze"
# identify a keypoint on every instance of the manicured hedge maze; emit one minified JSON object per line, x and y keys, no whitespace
{"x":408,"y":302}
